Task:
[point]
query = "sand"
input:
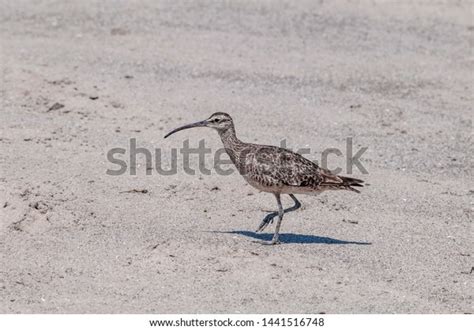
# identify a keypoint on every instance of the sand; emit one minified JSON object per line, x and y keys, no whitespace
{"x":79,"y":78}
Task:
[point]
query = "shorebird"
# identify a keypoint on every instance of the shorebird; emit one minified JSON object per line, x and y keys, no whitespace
{"x":274,"y":170}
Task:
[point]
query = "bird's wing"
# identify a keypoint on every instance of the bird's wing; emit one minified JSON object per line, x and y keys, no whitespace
{"x":273,"y":166}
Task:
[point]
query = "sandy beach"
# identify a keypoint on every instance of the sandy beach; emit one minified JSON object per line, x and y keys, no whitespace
{"x":80,"y":78}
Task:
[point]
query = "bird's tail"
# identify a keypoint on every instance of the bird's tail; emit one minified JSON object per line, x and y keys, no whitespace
{"x":350,"y":183}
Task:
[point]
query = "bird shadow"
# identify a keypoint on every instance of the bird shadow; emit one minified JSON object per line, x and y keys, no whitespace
{"x":292,"y":238}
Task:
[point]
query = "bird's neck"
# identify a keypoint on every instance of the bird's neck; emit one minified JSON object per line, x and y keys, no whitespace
{"x":233,"y":146}
{"x":229,"y":138}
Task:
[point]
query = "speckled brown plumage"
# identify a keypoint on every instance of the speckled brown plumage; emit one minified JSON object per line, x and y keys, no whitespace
{"x":273,"y":169}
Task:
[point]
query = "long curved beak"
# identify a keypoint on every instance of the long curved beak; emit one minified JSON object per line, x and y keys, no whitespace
{"x":198,"y":124}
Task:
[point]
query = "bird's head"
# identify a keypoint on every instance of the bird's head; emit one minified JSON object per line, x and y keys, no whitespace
{"x":220,"y":121}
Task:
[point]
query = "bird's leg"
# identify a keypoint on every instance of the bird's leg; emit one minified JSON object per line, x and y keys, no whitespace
{"x":293,"y":208}
{"x":275,"y":239}
{"x":269,"y":218}
{"x":296,"y":206}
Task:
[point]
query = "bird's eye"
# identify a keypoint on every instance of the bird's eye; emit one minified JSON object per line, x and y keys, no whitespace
{"x":215,"y":120}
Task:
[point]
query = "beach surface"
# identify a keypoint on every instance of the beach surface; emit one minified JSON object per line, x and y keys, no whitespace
{"x":82,"y":78}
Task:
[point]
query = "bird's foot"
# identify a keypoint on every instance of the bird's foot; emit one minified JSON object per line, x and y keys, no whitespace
{"x":266,"y":221}
{"x":272,"y":242}
{"x":263,"y":225}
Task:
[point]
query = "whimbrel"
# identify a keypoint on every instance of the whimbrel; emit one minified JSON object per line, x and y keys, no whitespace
{"x":272,"y":169}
